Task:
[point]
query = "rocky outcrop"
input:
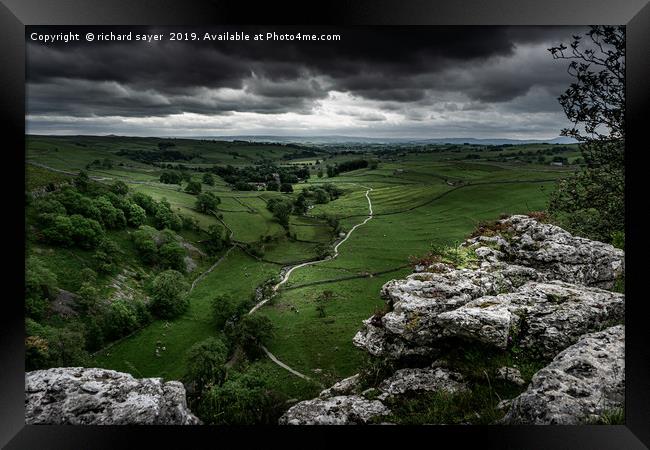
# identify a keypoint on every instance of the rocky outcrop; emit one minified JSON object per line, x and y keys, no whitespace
{"x":524,"y":282}
{"x":338,"y":410}
{"x":553,"y":251}
{"x":91,"y":396}
{"x":536,"y":285}
{"x":410,"y":327}
{"x":342,"y":404}
{"x":581,"y":383}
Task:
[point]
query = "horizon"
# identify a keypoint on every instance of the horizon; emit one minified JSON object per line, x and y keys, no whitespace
{"x":564,"y":139}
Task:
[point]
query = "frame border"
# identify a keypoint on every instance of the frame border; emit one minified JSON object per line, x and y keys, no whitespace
{"x":16,"y":14}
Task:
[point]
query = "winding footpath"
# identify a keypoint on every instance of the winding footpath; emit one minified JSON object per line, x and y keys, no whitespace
{"x":311,"y":263}
{"x":288,"y":273}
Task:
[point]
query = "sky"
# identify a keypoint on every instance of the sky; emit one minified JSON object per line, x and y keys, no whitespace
{"x":388,"y":82}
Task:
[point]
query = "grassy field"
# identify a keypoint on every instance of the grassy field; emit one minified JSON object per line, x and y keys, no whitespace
{"x":418,"y":199}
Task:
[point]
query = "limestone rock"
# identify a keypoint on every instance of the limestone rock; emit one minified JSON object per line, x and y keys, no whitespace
{"x":580,"y":384}
{"x":554,"y":251}
{"x":411,"y":328}
{"x":544,"y":317}
{"x":537,"y":284}
{"x":433,"y":379}
{"x":338,"y":410}
{"x":91,"y":396}
{"x":343,"y":387}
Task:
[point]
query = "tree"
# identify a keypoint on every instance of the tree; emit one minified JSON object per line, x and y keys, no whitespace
{"x":82,"y":181}
{"x":40,"y":285}
{"x":591,"y":203}
{"x":136,"y":215}
{"x":286,"y":187}
{"x":272,"y":186}
{"x":171,"y":177}
{"x":171,"y":255}
{"x":57,"y":229}
{"x":250,"y":333}
{"x":144,"y":240}
{"x":169,"y":294}
{"x":119,"y":188}
{"x":321,"y":196}
{"x":281,"y":210}
{"x":144,"y":201}
{"x":208,"y":179}
{"x":87,"y":296}
{"x":206,"y":364}
{"x":121,"y":320}
{"x":216,"y":239}
{"x":301,"y":206}
{"x":193,"y":187}
{"x":206,"y":202}
{"x":86,"y":233}
{"x":166,"y":218}
{"x":227,"y":311}
{"x":111,"y":217}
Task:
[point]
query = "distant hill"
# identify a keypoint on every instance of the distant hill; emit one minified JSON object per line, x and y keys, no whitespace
{"x":370,"y":140}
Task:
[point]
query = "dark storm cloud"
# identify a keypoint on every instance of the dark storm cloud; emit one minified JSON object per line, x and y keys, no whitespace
{"x":163,"y":78}
{"x":382,"y":80}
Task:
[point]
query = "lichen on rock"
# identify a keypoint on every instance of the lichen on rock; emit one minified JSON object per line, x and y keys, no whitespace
{"x":581,"y":383}
{"x":92,"y":396}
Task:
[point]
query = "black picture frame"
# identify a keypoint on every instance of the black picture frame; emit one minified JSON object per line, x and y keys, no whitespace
{"x":635,"y":14}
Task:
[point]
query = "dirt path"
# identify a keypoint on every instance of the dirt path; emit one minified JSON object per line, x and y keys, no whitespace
{"x":298,"y":266}
{"x":311,"y":263}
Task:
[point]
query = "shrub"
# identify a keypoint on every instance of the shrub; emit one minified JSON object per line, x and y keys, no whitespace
{"x":47,"y":346}
{"x":169,"y":294}
{"x":244,"y":399}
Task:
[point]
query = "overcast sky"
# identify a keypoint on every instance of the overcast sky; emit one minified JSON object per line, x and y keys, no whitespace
{"x":481,"y":82}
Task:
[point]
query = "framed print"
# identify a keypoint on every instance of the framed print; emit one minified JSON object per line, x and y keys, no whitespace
{"x":413,"y":218}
